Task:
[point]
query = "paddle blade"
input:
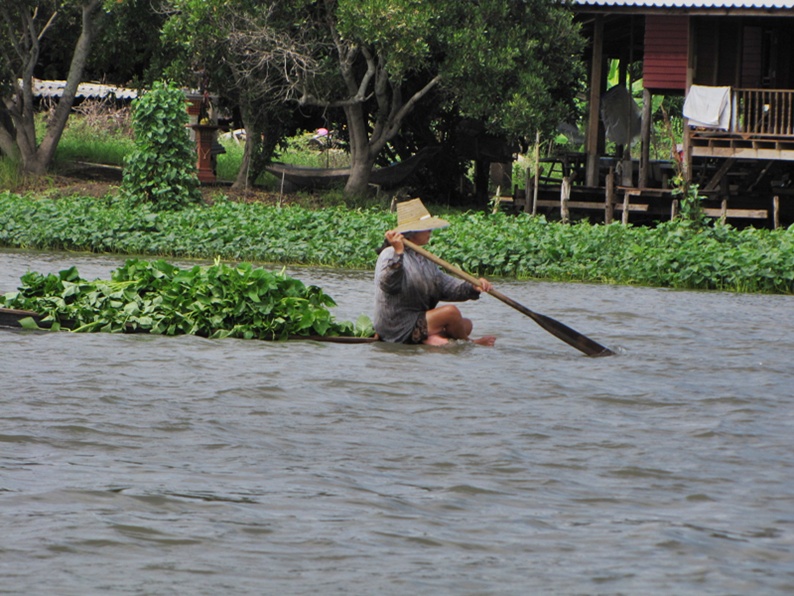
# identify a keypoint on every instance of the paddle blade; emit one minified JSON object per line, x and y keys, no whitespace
{"x":570,"y":336}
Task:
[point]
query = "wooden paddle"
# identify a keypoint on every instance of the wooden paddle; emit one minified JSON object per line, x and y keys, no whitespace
{"x":574,"y":338}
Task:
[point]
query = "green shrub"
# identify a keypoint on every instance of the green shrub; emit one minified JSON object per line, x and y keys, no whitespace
{"x":162,"y":168}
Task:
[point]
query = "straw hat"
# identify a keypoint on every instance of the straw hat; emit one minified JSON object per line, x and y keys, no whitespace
{"x":412,"y":216}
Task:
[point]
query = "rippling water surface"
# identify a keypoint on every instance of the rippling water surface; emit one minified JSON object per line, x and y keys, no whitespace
{"x":137,"y":464}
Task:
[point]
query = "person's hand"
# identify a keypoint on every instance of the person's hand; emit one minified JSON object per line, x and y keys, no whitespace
{"x":485,"y":285}
{"x":396,"y":240}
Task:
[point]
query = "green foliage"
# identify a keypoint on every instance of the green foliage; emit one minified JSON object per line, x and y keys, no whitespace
{"x":228,"y":163}
{"x":140,"y":58}
{"x":673,"y":254}
{"x":162,"y":168}
{"x":400,"y":31}
{"x":690,"y":201}
{"x":10,"y":173}
{"x":254,"y":75}
{"x":514,"y":64}
{"x":300,"y":150}
{"x":157,"y":297}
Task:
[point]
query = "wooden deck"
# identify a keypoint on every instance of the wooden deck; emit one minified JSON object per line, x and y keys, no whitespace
{"x":646,"y":205}
{"x":761,"y":127}
{"x":742,"y":191}
{"x":729,"y":145}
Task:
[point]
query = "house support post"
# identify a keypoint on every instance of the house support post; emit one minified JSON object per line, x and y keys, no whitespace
{"x":537,"y":174}
{"x":645,"y":138}
{"x":565,"y":196}
{"x":594,"y":108}
{"x":626,"y":201}
{"x":609,"y":203}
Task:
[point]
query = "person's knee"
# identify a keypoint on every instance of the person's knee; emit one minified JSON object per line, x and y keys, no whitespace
{"x":444,"y":319}
{"x":468,"y":326}
{"x":451,"y":313}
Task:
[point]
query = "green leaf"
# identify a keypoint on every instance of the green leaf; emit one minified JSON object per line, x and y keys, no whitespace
{"x":29,"y":323}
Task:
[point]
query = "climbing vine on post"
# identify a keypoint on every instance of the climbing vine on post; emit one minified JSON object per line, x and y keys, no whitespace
{"x":688,"y":193}
{"x":162,"y":168}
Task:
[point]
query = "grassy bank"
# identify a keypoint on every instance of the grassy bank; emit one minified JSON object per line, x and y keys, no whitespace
{"x":673,"y":254}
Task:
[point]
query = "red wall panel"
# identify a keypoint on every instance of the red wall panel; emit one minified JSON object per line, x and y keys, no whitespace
{"x":666,"y":49}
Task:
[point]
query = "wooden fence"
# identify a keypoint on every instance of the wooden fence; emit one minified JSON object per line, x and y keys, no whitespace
{"x":763,"y":112}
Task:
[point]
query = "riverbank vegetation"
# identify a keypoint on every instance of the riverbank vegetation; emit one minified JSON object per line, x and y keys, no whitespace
{"x":331,"y":230}
{"x":677,"y":254}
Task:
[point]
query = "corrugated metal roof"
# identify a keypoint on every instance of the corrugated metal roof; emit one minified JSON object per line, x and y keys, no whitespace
{"x":717,"y":4}
{"x":87,"y":90}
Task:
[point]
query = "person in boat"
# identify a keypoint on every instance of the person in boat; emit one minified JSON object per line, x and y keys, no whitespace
{"x":408,"y":287}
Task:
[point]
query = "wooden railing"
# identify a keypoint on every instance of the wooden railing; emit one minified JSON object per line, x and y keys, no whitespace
{"x":763,"y":112}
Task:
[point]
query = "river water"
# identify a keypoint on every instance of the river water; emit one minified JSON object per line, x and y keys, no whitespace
{"x":135,"y":464}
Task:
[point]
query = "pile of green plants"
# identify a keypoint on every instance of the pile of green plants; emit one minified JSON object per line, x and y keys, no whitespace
{"x":162,"y":168}
{"x":214,"y":301}
{"x":673,"y":254}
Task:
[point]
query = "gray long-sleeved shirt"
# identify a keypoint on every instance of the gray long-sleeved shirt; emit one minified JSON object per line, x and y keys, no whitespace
{"x":408,"y":285}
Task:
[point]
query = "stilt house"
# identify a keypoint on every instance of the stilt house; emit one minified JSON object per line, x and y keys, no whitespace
{"x":733,"y":62}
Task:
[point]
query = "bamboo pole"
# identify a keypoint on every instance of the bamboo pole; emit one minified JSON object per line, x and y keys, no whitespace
{"x":565,"y":196}
{"x":609,"y":203}
{"x":625,"y":217}
{"x":776,"y":210}
{"x":537,"y":174}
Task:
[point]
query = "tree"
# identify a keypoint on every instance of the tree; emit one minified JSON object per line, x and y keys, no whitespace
{"x":218,"y":39}
{"x":511,"y":63}
{"x":128,"y":51}
{"x":25,"y":24}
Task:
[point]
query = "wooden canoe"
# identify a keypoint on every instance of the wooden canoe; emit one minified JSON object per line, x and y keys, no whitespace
{"x":388,"y":177}
{"x":11,"y":318}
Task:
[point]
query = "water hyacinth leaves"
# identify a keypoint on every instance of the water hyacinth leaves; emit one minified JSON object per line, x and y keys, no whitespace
{"x":673,"y":254}
{"x":211,"y":301}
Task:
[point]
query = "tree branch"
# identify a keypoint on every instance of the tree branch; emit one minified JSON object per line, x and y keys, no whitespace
{"x":47,"y":25}
{"x":410,"y":104}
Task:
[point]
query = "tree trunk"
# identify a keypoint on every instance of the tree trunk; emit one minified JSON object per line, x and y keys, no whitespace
{"x":358,"y":182}
{"x":37,"y":159}
{"x":259,"y":143}
{"x":241,"y":181}
{"x":8,"y":146}
{"x":46,"y":151}
{"x":368,"y":133}
{"x":363,"y":151}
